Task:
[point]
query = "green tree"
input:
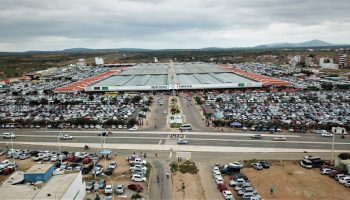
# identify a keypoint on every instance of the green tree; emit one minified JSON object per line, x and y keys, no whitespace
{"x":135,"y":99}
{"x":132,"y":122}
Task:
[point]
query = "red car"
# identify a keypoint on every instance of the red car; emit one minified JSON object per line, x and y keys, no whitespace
{"x":221,"y":187}
{"x":135,"y":187}
{"x":87,"y":160}
{"x":333,"y":173}
{"x":70,"y":158}
{"x":8,"y":171}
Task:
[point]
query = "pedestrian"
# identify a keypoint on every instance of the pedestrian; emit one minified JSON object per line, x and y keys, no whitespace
{"x":144,"y":155}
{"x":134,"y":153}
{"x":115,"y":155}
{"x":156,"y":155}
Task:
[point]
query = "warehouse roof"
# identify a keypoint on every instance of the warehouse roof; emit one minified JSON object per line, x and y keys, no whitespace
{"x":39,"y":168}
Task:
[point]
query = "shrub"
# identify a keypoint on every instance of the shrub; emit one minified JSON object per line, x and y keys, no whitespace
{"x":188,"y":167}
{"x":173,"y":167}
{"x":344,"y":156}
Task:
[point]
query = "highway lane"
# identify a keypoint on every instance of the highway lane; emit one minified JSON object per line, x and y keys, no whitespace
{"x":192,"y":115}
{"x":245,"y":142}
{"x":158,"y":120}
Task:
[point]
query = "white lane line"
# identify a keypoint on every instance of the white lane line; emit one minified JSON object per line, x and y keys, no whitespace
{"x":171,"y":154}
{"x":160,"y":141}
{"x":198,"y":139}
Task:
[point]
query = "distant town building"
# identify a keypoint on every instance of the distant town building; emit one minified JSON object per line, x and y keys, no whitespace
{"x":327,"y":63}
{"x":155,"y":59}
{"x":99,"y":61}
{"x":294,"y":60}
{"x":343,"y":60}
{"x":309,"y":61}
{"x":81,"y":62}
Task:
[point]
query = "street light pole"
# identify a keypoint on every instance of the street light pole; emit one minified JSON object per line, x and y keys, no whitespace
{"x":332,"y":161}
{"x":111,"y":184}
{"x":13,"y":150}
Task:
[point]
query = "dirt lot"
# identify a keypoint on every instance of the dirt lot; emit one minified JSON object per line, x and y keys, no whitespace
{"x":294,"y":182}
{"x":22,"y":165}
{"x":117,"y":177}
{"x":187,"y":186}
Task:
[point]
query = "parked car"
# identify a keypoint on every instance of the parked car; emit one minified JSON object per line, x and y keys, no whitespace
{"x":265,"y":164}
{"x":109,"y":171}
{"x":138,"y":178}
{"x":101,"y":184}
{"x":89,"y":185}
{"x":326,"y":171}
{"x":119,"y":189}
{"x":238,"y":181}
{"x":257,"y":166}
{"x":219,"y":179}
{"x":135,"y":187}
{"x":227,"y":195}
{"x":108,"y":189}
{"x":243,"y":185}
{"x":221,"y":187}
{"x":113,"y":165}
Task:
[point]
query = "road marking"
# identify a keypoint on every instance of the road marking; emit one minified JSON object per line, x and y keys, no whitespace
{"x":171,"y":154}
{"x":160,"y":141}
{"x":196,"y":139}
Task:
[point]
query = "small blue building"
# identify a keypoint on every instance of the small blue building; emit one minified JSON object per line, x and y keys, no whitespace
{"x":39,"y":172}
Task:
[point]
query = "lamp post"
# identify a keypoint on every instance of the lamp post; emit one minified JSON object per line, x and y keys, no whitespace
{"x":332,"y":161}
{"x":111,"y":183}
{"x":11,"y":135}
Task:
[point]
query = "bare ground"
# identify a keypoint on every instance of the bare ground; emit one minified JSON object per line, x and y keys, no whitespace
{"x":192,"y":187}
{"x":292,"y":182}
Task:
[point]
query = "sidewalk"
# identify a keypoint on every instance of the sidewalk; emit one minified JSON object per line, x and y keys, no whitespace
{"x":190,"y":148}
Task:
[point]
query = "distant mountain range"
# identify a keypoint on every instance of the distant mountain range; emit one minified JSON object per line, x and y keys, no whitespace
{"x":311,"y":43}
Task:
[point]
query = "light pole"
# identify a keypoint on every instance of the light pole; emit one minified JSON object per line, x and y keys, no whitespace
{"x":13,"y":156}
{"x":59,"y":148}
{"x":332,"y":161}
{"x":111,"y":183}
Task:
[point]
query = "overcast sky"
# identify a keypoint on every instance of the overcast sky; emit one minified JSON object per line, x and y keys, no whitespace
{"x":60,"y":24}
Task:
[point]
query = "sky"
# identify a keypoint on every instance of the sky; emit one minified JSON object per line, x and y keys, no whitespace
{"x":162,"y":24}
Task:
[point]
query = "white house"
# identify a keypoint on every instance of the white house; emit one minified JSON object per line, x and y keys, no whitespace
{"x":99,"y":61}
{"x":327,"y":63}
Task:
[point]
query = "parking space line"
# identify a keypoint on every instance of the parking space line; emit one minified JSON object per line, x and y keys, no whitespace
{"x":160,"y":141}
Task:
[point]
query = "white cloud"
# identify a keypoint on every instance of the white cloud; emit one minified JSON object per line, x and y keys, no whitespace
{"x":51,"y":25}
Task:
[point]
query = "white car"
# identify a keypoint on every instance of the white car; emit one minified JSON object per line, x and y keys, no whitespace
{"x":344,"y":179}
{"x":279,"y":138}
{"x":326,"y":171}
{"x":8,"y":135}
{"x":327,"y":135}
{"x":182,"y":141}
{"x":133,"y":128}
{"x":236,"y":164}
{"x":65,"y":137}
{"x":227,"y":195}
{"x":119,"y":189}
{"x":97,"y":170}
{"x":219,"y":179}
{"x":216,"y":169}
{"x":112,"y":165}
{"x":120,"y":126}
{"x":138,"y":178}
{"x":216,"y":173}
{"x":238,"y":181}
{"x":108,"y":189}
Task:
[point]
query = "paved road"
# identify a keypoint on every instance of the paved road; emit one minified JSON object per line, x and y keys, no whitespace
{"x":192,"y":115}
{"x":158,"y":119}
{"x":195,"y":139}
{"x":161,"y":188}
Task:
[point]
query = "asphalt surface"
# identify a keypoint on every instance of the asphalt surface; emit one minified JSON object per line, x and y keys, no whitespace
{"x":302,"y":141}
{"x":192,"y":115}
{"x":160,"y":187}
{"x":158,"y":119}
